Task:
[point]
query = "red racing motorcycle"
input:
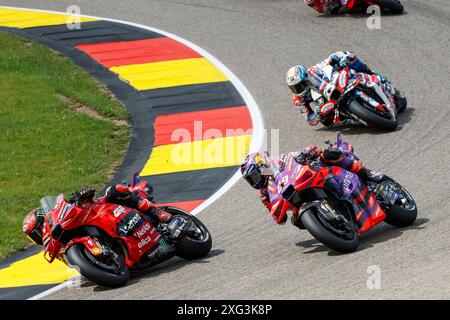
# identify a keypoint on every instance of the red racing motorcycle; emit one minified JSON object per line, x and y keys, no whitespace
{"x":386,"y":6}
{"x":334,"y":204}
{"x":107,"y":241}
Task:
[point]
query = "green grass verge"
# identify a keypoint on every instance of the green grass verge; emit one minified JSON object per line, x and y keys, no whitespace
{"x":46,"y":147}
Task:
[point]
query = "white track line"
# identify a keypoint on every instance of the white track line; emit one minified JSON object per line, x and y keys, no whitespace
{"x":258,"y":124}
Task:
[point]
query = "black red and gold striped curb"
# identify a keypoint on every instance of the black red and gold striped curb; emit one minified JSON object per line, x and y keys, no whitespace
{"x":168,"y":87}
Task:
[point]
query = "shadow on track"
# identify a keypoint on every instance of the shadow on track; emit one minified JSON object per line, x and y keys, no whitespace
{"x":350,"y":127}
{"x":382,"y":233}
{"x":349,"y":14}
{"x":385,"y":232}
{"x":170,"y":265}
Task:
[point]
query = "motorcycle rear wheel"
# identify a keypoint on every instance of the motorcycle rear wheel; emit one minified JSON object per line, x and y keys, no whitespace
{"x":364,"y":113}
{"x":77,"y":256}
{"x":324,"y":234}
{"x":390,"y":6}
{"x":403,"y":103}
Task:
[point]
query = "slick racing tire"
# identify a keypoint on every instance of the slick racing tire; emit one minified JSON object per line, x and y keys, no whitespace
{"x":390,"y":6}
{"x":193,"y":245}
{"x":319,"y":231}
{"x":371,"y":117}
{"x":403,"y":103}
{"x":78,"y":256}
{"x":401,"y":215}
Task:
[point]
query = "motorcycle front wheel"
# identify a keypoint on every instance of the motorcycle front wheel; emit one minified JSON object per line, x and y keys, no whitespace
{"x":109,"y":273}
{"x":403,"y":212}
{"x":359,"y":109}
{"x":340,"y":237}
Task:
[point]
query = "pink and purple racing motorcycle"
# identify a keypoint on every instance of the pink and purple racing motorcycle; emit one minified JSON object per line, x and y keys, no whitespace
{"x":334,"y":204}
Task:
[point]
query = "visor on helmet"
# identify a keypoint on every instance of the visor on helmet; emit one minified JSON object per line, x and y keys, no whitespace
{"x":253,"y":176}
{"x":32,"y":226}
{"x":299,"y":88}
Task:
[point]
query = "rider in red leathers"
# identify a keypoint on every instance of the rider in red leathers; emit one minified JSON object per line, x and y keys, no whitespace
{"x":325,"y":6}
{"x":329,"y":7}
{"x":118,"y":194}
{"x":121,"y":194}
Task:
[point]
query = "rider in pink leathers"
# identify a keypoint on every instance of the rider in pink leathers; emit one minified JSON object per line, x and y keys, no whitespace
{"x":258,"y":168}
{"x":301,"y":79}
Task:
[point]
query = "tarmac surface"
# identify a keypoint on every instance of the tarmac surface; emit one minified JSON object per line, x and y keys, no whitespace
{"x":252,"y":257}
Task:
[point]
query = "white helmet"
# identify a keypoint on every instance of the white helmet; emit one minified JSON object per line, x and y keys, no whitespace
{"x":297,"y":80}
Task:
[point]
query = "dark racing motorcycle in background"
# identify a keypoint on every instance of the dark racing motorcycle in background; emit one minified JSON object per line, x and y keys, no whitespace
{"x":361,"y":97}
{"x":334,"y":204}
{"x":107,"y":241}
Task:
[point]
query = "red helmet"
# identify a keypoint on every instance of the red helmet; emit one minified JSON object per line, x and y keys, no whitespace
{"x":33,"y":224}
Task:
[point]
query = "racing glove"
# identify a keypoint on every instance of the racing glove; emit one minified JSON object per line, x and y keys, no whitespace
{"x":297,"y":101}
{"x":313,"y":118}
{"x":85,"y":195}
{"x":265,"y":200}
{"x":334,"y":60}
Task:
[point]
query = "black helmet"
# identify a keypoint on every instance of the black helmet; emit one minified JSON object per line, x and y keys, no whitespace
{"x":252,"y":169}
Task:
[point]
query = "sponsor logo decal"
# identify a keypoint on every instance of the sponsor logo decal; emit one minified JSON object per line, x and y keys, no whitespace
{"x":129,"y":223}
{"x":342,"y":79}
{"x":118,"y":211}
{"x":371,"y":201}
{"x":144,"y":242}
{"x":142,"y":231}
{"x":348,"y":182}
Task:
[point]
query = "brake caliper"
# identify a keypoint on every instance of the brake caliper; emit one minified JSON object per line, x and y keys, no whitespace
{"x":387,"y":192}
{"x":178,"y":227}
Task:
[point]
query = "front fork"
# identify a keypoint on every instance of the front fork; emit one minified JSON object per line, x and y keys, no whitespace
{"x":323,"y":206}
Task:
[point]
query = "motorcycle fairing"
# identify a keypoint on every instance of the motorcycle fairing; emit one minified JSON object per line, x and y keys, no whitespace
{"x":119,"y":222}
{"x":345,"y":185}
{"x":348,"y":186}
{"x":139,"y":235}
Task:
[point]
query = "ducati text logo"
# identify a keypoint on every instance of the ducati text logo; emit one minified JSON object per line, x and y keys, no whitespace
{"x":144,"y":242}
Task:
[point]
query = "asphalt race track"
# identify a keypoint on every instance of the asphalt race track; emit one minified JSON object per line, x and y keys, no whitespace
{"x":252,"y":257}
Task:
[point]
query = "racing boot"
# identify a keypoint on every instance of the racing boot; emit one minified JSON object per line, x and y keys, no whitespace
{"x":397,"y":97}
{"x":370,"y":175}
{"x":148,"y":208}
{"x":338,"y":158}
{"x":121,"y":194}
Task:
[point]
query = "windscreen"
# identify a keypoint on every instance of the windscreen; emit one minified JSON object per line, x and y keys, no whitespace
{"x":48,"y":203}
